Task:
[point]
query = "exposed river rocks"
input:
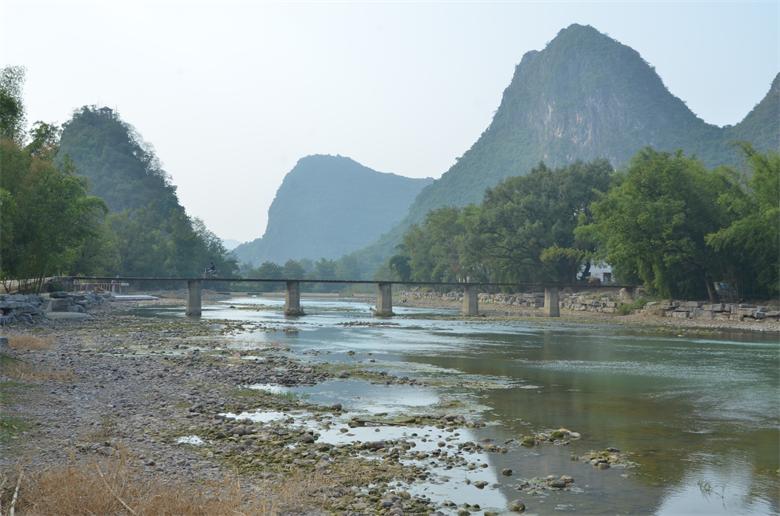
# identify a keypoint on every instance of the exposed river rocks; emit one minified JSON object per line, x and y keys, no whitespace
{"x":351,"y":430}
{"x":184,"y":404}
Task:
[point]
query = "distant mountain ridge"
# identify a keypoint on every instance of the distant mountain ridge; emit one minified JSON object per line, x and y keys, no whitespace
{"x":328,"y":206}
{"x":584,"y":96}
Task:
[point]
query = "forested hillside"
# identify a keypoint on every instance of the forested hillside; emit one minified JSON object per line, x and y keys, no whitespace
{"x":147,"y":232}
{"x":666,"y":221}
{"x":328,"y":206}
{"x":585,"y":96}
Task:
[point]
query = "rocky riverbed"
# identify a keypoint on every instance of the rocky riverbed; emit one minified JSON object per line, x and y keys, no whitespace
{"x":170,"y":395}
{"x":341,"y":412}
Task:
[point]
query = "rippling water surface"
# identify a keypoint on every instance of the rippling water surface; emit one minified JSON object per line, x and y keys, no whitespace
{"x":701,"y":417}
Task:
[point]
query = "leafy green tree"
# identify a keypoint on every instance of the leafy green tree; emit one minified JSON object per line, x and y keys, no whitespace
{"x":48,"y":215}
{"x":324,"y":269}
{"x":154,"y":236}
{"x":293,"y":270}
{"x":433,"y":248}
{"x":12,"y":117}
{"x":399,"y":266}
{"x":751,"y":243}
{"x":652,"y":223}
{"x":526,"y":224}
{"x":269,"y":270}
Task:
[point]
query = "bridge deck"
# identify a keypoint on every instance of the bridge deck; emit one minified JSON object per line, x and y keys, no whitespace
{"x":384,"y":303}
{"x":463,"y":284}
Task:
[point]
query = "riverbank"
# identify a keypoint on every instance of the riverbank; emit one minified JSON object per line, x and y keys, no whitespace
{"x":248,"y":411}
{"x":159,"y":399}
{"x":643,"y":320}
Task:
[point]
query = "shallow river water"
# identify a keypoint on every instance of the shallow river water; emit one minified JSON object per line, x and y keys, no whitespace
{"x":700,"y":417}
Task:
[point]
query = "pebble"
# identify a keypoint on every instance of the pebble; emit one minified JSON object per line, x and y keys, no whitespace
{"x":517,"y":506}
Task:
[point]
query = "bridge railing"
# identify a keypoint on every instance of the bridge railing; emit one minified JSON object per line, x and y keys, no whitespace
{"x":384,"y":292}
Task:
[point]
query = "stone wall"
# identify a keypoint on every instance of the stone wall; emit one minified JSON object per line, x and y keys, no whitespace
{"x":611,"y":301}
{"x":30,"y":308}
{"x":590,"y":303}
{"x":716,"y":311}
{"x":20,"y":308}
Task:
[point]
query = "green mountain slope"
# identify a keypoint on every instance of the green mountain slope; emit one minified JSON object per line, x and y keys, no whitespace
{"x":153,"y":235}
{"x":761,"y":126}
{"x":584,"y":96}
{"x":114,"y":159}
{"x":328,"y":206}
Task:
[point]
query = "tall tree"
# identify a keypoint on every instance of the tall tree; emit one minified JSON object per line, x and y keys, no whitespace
{"x":526,"y":223}
{"x":12,"y":117}
{"x":751,"y":242}
{"x":653,"y":222}
{"x":154,"y":234}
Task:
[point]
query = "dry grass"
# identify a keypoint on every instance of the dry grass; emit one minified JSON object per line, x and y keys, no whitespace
{"x":113,"y":487}
{"x":24,"y":372}
{"x":29,"y":342}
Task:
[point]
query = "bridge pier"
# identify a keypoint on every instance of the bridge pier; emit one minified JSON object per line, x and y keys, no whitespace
{"x":551,"y":305}
{"x":292,"y":299}
{"x":384,"y":300}
{"x":194,"y":288}
{"x":470,"y":301}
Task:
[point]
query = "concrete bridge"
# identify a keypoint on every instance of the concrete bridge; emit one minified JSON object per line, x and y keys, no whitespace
{"x":384,"y":291}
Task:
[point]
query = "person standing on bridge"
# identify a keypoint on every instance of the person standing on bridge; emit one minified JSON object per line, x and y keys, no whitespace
{"x":211,"y":270}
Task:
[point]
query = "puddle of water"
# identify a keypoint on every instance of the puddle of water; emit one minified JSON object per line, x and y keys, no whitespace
{"x":359,"y":395}
{"x":260,"y":416}
{"x":190,"y":439}
{"x":268,"y":387}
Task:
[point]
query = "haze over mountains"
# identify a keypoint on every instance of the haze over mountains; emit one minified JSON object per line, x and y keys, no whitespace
{"x":328,"y":206}
{"x":584,"y":96}
{"x":148,"y":232}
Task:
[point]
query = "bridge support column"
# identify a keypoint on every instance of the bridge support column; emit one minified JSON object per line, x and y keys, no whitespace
{"x":384,"y":300}
{"x":292,"y":300}
{"x":551,"y":306}
{"x":194,"y":288}
{"x":470,"y":301}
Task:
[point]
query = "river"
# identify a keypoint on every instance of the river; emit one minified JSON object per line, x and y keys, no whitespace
{"x":699,"y":416}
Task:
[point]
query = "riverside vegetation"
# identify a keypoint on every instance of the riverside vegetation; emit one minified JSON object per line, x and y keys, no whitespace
{"x":665,"y":221}
{"x":121,"y":413}
{"x":60,"y":216}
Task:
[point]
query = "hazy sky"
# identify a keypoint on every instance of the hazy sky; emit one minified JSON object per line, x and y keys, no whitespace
{"x":232,"y":93}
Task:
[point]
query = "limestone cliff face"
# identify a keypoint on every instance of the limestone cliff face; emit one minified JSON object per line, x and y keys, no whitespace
{"x":328,"y":206}
{"x":584,"y":96}
{"x":761,"y":126}
{"x":587,"y":96}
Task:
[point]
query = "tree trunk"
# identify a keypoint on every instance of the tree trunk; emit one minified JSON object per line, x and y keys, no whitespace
{"x":713,"y":296}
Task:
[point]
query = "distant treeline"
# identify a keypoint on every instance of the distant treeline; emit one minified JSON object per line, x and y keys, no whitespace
{"x":665,"y":221}
{"x":91,"y":198}
{"x":56,"y":221}
{"x":303,"y":269}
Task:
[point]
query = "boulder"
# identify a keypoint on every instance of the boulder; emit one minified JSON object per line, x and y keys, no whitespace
{"x":59,"y":305}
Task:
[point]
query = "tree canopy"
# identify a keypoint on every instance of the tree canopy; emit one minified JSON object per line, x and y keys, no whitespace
{"x":56,"y":190}
{"x":522,"y":232}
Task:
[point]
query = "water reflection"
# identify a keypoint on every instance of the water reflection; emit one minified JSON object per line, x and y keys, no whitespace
{"x":701,"y":416}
